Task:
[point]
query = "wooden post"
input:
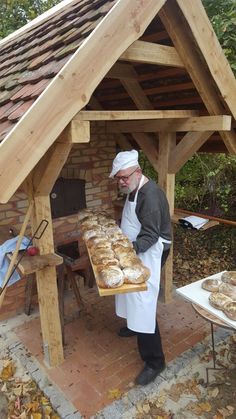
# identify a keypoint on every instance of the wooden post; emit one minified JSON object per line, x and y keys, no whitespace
{"x":47,"y":288}
{"x":166,"y":180}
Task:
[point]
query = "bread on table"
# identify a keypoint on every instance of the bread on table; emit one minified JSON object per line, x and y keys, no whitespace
{"x":218,"y":300}
{"x":228,"y":289}
{"x":210,"y":284}
{"x":229,"y":277}
{"x":230,"y":310}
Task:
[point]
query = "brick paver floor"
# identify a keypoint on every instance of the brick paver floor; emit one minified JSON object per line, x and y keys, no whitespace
{"x":97,"y":361}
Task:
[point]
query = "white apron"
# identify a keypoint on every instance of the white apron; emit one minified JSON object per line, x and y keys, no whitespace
{"x":139,"y":308}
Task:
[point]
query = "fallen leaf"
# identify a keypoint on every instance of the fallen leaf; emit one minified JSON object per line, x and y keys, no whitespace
{"x":146,"y":408}
{"x":35,"y":416}
{"x":7,"y":371}
{"x":206,"y":407}
{"x":114,"y":394}
{"x":213,"y":392}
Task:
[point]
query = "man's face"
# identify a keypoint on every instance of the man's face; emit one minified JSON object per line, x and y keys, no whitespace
{"x":128,"y":179}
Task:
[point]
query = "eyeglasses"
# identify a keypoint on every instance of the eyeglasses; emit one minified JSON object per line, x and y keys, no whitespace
{"x":124,"y":178}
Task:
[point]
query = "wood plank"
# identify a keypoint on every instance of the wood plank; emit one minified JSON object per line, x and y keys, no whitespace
{"x":31,"y":264}
{"x":124,"y":289}
{"x":137,"y":94}
{"x":176,"y":26}
{"x":150,"y":53}
{"x":201,"y":123}
{"x":132,"y":115}
{"x":183,"y":151}
{"x":124,"y":24}
{"x":211,"y":50}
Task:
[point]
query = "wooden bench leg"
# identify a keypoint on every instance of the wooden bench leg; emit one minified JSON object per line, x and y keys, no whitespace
{"x":71,"y":278}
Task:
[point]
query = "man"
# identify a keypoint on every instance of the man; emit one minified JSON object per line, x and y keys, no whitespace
{"x":146,"y":222}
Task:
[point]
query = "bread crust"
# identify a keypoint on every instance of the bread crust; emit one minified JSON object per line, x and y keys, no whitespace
{"x":218,"y":300}
{"x":230,"y":310}
{"x":210,"y":284}
{"x":228,"y":289}
{"x":229,"y":277}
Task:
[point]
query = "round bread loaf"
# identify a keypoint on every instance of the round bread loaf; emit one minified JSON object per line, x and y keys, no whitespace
{"x":110,"y":277}
{"x":99,"y":238}
{"x":136,"y":274}
{"x":228,"y":289}
{"x":97,"y":259}
{"x":230,"y":310}
{"x":95,"y":232}
{"x":122,"y":242}
{"x":129,"y":260}
{"x":218,"y":300}
{"x":122,"y":251}
{"x":107,"y":262}
{"x":211,"y":284}
{"x":229,"y":277}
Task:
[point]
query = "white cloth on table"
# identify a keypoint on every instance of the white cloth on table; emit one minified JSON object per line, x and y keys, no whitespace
{"x":8,"y":247}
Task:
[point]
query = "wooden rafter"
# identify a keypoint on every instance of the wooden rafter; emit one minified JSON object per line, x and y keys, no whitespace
{"x":198,"y":123}
{"x":176,"y":25}
{"x":211,"y":50}
{"x":149,"y":53}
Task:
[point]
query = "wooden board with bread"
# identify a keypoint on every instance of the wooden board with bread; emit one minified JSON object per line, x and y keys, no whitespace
{"x":116,"y":266}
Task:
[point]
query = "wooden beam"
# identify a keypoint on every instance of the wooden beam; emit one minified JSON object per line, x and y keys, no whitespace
{"x":189,"y":144}
{"x":79,"y":131}
{"x":121,"y":139}
{"x":201,"y":123}
{"x":26,"y":144}
{"x":149,"y":53}
{"x":211,"y":50}
{"x":166,"y":180}
{"x":175,"y":25}
{"x":47,"y":288}
{"x":121,"y":70}
{"x":48,"y":169}
{"x":132,"y":115}
{"x":149,"y":147}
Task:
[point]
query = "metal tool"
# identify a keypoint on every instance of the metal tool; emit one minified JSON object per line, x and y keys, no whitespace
{"x":40,"y":229}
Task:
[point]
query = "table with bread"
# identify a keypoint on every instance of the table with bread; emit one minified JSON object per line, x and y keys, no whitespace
{"x":117,"y":268}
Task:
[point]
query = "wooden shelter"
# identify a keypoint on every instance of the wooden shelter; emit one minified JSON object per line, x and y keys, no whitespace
{"x":151,"y":72}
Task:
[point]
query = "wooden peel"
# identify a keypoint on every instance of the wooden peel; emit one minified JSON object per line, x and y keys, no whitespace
{"x":16,"y":251}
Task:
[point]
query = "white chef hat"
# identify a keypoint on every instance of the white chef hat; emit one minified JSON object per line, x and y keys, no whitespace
{"x":123,"y":160}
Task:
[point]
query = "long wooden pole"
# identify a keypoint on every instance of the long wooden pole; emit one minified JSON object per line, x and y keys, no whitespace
{"x":15,"y":254}
{"x":210,"y":217}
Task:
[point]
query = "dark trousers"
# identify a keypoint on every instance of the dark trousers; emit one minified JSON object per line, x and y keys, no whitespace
{"x":149,"y":344}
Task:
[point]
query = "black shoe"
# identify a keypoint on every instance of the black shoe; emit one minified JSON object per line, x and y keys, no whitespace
{"x":124,"y":332}
{"x":148,"y":374}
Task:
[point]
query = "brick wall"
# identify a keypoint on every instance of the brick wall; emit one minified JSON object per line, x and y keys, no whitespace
{"x":91,"y":162}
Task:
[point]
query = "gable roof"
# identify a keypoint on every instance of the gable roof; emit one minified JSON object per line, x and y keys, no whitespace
{"x":50,"y":69}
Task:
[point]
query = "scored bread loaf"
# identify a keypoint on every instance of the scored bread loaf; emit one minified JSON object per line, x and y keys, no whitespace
{"x":218,"y":300}
{"x":230,"y":310}
{"x":211,"y":284}
{"x":110,"y":277}
{"x":229,"y":277}
{"x":136,"y":274}
{"x":228,"y":289}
